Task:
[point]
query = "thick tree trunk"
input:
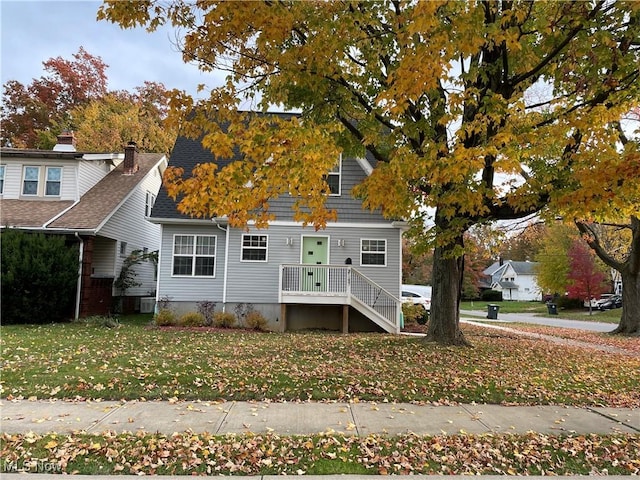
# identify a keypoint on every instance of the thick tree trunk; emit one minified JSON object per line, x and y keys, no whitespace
{"x":630,"y":321}
{"x":444,"y":322}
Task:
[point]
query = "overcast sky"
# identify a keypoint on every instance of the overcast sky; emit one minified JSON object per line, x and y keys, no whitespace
{"x":35,"y":31}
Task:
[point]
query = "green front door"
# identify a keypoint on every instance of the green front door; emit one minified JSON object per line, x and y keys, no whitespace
{"x":315,"y":251}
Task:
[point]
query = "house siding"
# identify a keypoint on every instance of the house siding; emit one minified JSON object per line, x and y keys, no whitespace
{"x":90,"y":173}
{"x":12,"y":179}
{"x":14,"y":171}
{"x":257,"y":282}
{"x":348,"y":208}
{"x":137,"y":234}
{"x":104,"y":254}
{"x":190,"y":289}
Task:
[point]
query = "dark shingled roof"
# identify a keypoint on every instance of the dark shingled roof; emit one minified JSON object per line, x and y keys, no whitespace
{"x":188,"y":152}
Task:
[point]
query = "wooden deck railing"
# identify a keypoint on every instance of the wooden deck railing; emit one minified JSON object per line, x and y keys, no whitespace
{"x":331,"y":284}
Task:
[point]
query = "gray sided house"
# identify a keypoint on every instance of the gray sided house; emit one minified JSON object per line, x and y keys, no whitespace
{"x":97,"y":200}
{"x":346,"y":277}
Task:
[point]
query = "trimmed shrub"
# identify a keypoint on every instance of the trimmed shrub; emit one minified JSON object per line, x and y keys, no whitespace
{"x":224,"y":319}
{"x":413,"y":313}
{"x":39,"y":277}
{"x":491,"y":296}
{"x":191,"y":319}
{"x":165,"y":318}
{"x":256,"y":321}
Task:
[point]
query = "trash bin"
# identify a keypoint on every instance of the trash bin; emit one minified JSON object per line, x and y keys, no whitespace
{"x":552,"y":308}
{"x":493,"y":311}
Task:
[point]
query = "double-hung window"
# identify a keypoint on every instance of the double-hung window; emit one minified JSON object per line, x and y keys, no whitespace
{"x":30,"y":180}
{"x":54,"y":180}
{"x":194,"y":255}
{"x":334,"y":178}
{"x":2,"y":170}
{"x":373,"y":252}
{"x":254,"y":248}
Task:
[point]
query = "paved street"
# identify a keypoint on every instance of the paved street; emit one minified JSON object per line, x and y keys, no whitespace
{"x":528,"y":318}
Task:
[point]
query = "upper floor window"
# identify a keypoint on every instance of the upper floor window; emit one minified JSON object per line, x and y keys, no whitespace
{"x":2,"y":168}
{"x":148,"y":204}
{"x":373,"y":252}
{"x":54,"y":178}
{"x":254,"y":248}
{"x":30,"y":180}
{"x":334,"y":177}
{"x":194,"y":255}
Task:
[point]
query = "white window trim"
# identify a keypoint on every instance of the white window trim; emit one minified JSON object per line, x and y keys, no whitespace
{"x":339,"y":175}
{"x":3,"y":169}
{"x":123,"y":249}
{"x":46,"y":180}
{"x":194,"y":256}
{"x":385,"y":253}
{"x":149,"y":201}
{"x":24,"y":179}
{"x":242,"y":248}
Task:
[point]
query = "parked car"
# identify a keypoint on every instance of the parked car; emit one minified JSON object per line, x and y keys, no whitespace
{"x":614,"y":301}
{"x":417,"y":294}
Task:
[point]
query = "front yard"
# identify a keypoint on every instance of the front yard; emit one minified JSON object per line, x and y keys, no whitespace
{"x":78,"y":361}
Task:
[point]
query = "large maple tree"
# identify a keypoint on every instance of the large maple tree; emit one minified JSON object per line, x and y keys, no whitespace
{"x":438,"y":92}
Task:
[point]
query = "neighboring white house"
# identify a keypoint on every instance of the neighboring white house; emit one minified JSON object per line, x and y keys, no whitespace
{"x":516,"y":280}
{"x":98,"y":200}
{"x":346,"y":277}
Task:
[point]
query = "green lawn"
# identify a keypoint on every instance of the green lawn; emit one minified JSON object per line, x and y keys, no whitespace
{"x":134,"y":361}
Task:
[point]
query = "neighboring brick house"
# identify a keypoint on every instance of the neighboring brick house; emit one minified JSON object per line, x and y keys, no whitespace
{"x":100,"y":200}
{"x":516,"y":280}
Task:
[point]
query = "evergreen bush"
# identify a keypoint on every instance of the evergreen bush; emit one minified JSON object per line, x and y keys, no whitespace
{"x":491,"y":296}
{"x":39,"y":277}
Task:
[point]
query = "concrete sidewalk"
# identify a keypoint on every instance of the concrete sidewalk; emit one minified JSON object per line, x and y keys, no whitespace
{"x":42,"y":416}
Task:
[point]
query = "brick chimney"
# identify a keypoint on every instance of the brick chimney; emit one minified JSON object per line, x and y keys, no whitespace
{"x":130,"y":160}
{"x":66,"y":142}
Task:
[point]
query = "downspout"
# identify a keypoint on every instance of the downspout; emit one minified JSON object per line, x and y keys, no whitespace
{"x":79,"y":287}
{"x":226,"y":264}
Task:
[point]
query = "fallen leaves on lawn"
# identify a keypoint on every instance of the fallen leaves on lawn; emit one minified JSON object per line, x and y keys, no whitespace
{"x":132,"y":362}
{"x":187,"y":453}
